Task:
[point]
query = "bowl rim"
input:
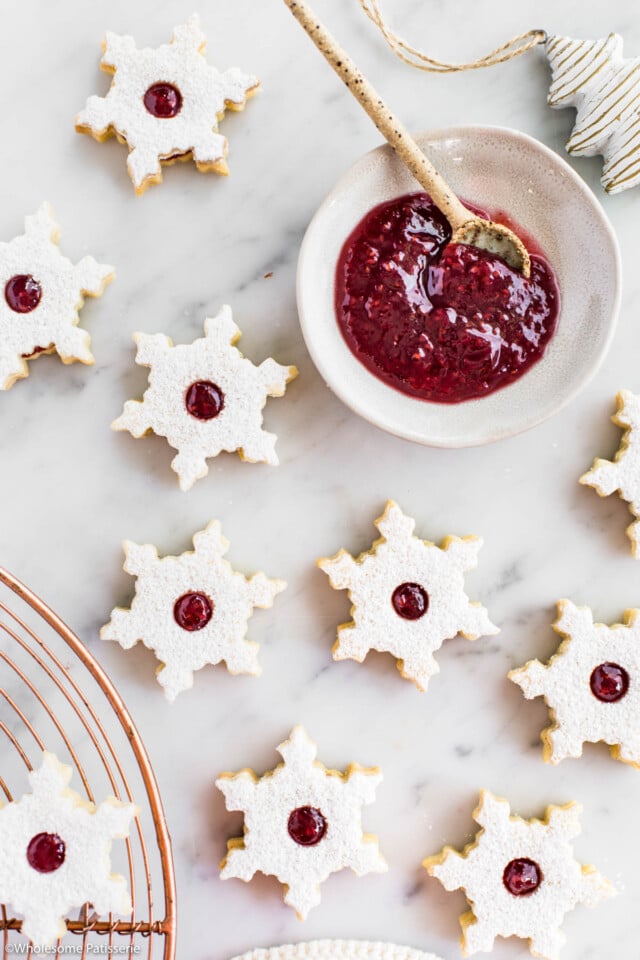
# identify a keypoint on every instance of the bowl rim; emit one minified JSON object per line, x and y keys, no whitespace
{"x":322,"y":360}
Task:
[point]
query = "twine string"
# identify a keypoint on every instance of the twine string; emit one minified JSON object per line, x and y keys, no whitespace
{"x":422,"y":61}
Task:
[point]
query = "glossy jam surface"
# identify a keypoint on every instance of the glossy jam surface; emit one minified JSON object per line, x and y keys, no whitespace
{"x":23,"y":293}
{"x":193,"y":611}
{"x":609,"y":682}
{"x":204,"y":400}
{"x":46,"y":852}
{"x":410,"y":601}
{"x":307,"y":826}
{"x":163,"y":100}
{"x":442,"y":322}
{"x":522,"y":877}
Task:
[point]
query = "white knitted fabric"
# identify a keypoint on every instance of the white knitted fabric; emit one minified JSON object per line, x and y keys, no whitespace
{"x":479,"y":869}
{"x":206,"y":93}
{"x":52,"y":325}
{"x":43,"y":899}
{"x":578,"y":716}
{"x":623,"y":473}
{"x":400,"y":557}
{"x":213,"y":358}
{"x":338,"y":950}
{"x":160,"y":582}
{"x":267,"y":803}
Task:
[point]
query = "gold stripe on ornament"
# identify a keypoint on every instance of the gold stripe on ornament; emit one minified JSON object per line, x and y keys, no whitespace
{"x":555,"y":96}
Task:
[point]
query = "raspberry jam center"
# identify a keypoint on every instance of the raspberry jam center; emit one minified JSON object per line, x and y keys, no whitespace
{"x":522,"y":877}
{"x":609,"y":682}
{"x":204,"y":400}
{"x":46,"y":852}
{"x":163,"y":100}
{"x":410,"y":601}
{"x":193,"y":611}
{"x":23,"y":293}
{"x":438,"y":321}
{"x":307,"y":826}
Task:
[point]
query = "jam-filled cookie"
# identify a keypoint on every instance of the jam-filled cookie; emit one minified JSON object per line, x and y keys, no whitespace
{"x":407,"y":596}
{"x":205,"y":397}
{"x":622,"y":474}
{"x":591,"y":685}
{"x":55,"y":854}
{"x":519,"y":876}
{"x":41,"y":293}
{"x":165,"y":104}
{"x":302,"y":822}
{"x":191,"y":610}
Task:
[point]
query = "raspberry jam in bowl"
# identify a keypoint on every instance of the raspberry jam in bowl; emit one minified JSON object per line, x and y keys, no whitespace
{"x":442,"y":343}
{"x":441,"y":321}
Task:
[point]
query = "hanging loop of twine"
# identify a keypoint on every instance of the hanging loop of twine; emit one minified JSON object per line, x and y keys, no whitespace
{"x":421,"y":61}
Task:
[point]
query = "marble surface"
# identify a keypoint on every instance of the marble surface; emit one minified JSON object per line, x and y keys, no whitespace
{"x":72,"y":490}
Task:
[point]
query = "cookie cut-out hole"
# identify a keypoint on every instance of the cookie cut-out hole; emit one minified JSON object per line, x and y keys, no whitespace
{"x":307,"y":826}
{"x":609,"y":682}
{"x":193,"y":611}
{"x":163,"y":100}
{"x":522,"y":877}
{"x":46,"y":852}
{"x":204,"y":400}
{"x":23,"y":293}
{"x":410,"y":601}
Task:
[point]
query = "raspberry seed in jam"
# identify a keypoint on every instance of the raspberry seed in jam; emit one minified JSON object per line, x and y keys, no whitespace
{"x":193,"y":611}
{"x":522,"y":877}
{"x":23,"y":293}
{"x":307,"y":826}
{"x":163,"y":100}
{"x":410,"y":601}
{"x":609,"y":682}
{"x":204,"y":400}
{"x":46,"y":852}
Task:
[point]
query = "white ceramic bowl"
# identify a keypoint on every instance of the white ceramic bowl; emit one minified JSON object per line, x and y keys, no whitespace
{"x":502,"y":169}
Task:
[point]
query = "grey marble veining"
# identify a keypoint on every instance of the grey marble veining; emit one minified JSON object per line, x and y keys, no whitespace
{"x":72,"y":490}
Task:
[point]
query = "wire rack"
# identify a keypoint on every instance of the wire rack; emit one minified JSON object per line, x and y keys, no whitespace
{"x":54,"y":696}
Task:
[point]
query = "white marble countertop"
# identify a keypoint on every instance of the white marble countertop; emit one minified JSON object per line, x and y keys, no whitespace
{"x":72,"y":490}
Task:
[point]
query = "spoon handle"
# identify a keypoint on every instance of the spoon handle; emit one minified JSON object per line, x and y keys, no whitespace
{"x":391,"y":128}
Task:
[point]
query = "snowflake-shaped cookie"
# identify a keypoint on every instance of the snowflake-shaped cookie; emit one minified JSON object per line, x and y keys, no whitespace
{"x":591,"y":685}
{"x":520,"y":877}
{"x":191,"y":610}
{"x":165,"y":104}
{"x":302,"y":822}
{"x":205,"y":397}
{"x":623,"y":473}
{"x":55,"y":853}
{"x":407,"y":596}
{"x":42,"y":292}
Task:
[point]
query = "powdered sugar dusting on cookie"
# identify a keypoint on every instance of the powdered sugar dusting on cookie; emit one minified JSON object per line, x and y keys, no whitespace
{"x":213,"y":360}
{"x":566,"y":683}
{"x":186,"y":126}
{"x":223,"y":598}
{"x":480,"y":871}
{"x":268,"y":803}
{"x":82,"y":871}
{"x":407,"y":596}
{"x":623,"y":473}
{"x":47,"y":322}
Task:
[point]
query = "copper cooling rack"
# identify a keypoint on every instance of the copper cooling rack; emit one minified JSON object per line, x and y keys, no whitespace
{"x":55,"y":696}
